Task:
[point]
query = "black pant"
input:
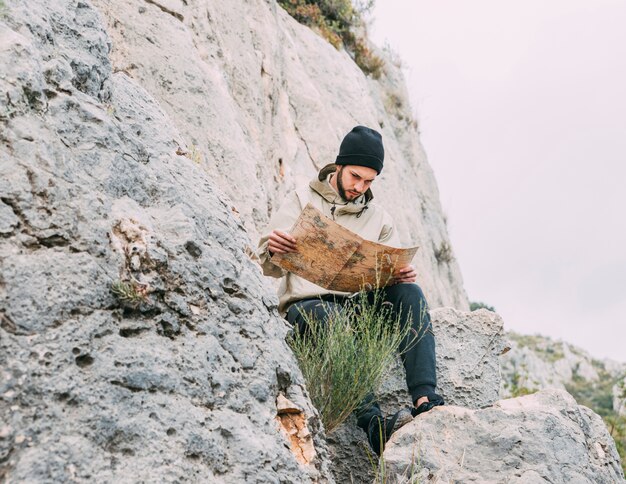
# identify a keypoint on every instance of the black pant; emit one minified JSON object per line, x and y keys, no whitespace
{"x":417,"y":349}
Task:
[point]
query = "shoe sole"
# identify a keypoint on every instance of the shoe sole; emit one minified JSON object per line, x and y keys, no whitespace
{"x":404,"y":417}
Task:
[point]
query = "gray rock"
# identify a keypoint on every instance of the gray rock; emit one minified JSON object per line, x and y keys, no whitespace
{"x":262,"y":102}
{"x":544,"y":437}
{"x":469,"y":345}
{"x":8,"y":219}
{"x":174,"y":379}
{"x":38,"y":296}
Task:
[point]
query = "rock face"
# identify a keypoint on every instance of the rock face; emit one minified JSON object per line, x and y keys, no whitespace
{"x":545,"y":437}
{"x":537,"y":362}
{"x":468,"y":361}
{"x":138,"y":341}
{"x":263,"y":102}
{"x":173,"y":376}
{"x":469,"y":345}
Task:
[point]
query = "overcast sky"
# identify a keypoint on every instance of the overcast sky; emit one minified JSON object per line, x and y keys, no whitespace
{"x":522,"y":112}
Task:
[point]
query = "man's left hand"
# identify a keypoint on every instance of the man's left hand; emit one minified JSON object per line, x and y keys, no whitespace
{"x":406,"y":274}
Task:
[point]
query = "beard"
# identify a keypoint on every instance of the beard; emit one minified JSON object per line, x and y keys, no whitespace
{"x":340,"y":187}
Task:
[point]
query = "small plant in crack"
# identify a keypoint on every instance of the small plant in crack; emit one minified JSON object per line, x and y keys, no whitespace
{"x":193,"y":154}
{"x":443,"y":253}
{"x":131,"y":293}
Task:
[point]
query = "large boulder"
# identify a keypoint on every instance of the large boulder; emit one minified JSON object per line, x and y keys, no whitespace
{"x":138,"y":341}
{"x":544,"y":437}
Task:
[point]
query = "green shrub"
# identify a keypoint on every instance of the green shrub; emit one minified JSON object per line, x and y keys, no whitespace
{"x":598,"y":396}
{"x":475,"y":305}
{"x":516,"y":389}
{"x":616,"y":425}
{"x":337,"y":21}
{"x":130,"y":294}
{"x":346,"y":358}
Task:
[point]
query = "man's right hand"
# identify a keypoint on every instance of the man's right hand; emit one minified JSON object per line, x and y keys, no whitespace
{"x":281,"y":243}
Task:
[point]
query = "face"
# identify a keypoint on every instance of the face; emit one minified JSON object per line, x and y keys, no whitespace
{"x":353,"y":180}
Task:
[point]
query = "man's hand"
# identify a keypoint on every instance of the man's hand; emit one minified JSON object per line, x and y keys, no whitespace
{"x":406,"y":274}
{"x":281,"y":243}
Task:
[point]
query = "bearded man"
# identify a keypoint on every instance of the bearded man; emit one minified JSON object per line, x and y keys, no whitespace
{"x":342,"y":191}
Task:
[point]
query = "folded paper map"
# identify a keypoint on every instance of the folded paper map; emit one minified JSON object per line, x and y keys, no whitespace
{"x":336,"y":258}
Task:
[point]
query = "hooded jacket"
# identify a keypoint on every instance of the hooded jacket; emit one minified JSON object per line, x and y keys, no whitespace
{"x":361,"y":216}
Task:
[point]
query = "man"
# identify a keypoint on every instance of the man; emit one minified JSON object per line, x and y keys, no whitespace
{"x":342,"y":192}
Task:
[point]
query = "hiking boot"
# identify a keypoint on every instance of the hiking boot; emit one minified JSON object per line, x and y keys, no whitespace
{"x":380,"y":429}
{"x":434,"y":401}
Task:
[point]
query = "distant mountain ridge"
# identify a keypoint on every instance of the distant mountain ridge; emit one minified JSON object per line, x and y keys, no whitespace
{"x":537,"y":362}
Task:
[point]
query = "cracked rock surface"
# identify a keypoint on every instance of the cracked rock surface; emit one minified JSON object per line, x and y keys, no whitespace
{"x":171,"y":377}
{"x":143,"y":146}
{"x":262,"y":103}
{"x":544,"y":437}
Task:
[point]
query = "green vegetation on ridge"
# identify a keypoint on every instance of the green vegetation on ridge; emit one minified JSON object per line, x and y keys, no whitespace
{"x":476,"y":305}
{"x":545,"y":348}
{"x":341,"y":23}
{"x":598,"y":396}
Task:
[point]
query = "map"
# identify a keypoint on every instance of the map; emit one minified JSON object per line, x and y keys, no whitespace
{"x":336,"y":258}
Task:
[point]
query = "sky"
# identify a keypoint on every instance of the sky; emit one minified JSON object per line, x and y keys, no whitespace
{"x":522,"y":112}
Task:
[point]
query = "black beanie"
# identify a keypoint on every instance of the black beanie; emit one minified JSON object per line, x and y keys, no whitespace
{"x":364,"y":147}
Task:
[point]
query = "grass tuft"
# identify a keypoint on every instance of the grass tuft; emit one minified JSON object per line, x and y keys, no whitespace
{"x":411,"y":474}
{"x":130,"y":294}
{"x":346,"y":358}
{"x":193,"y":154}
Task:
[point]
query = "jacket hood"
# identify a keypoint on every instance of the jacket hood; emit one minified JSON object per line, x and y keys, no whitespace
{"x":322,"y":186}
